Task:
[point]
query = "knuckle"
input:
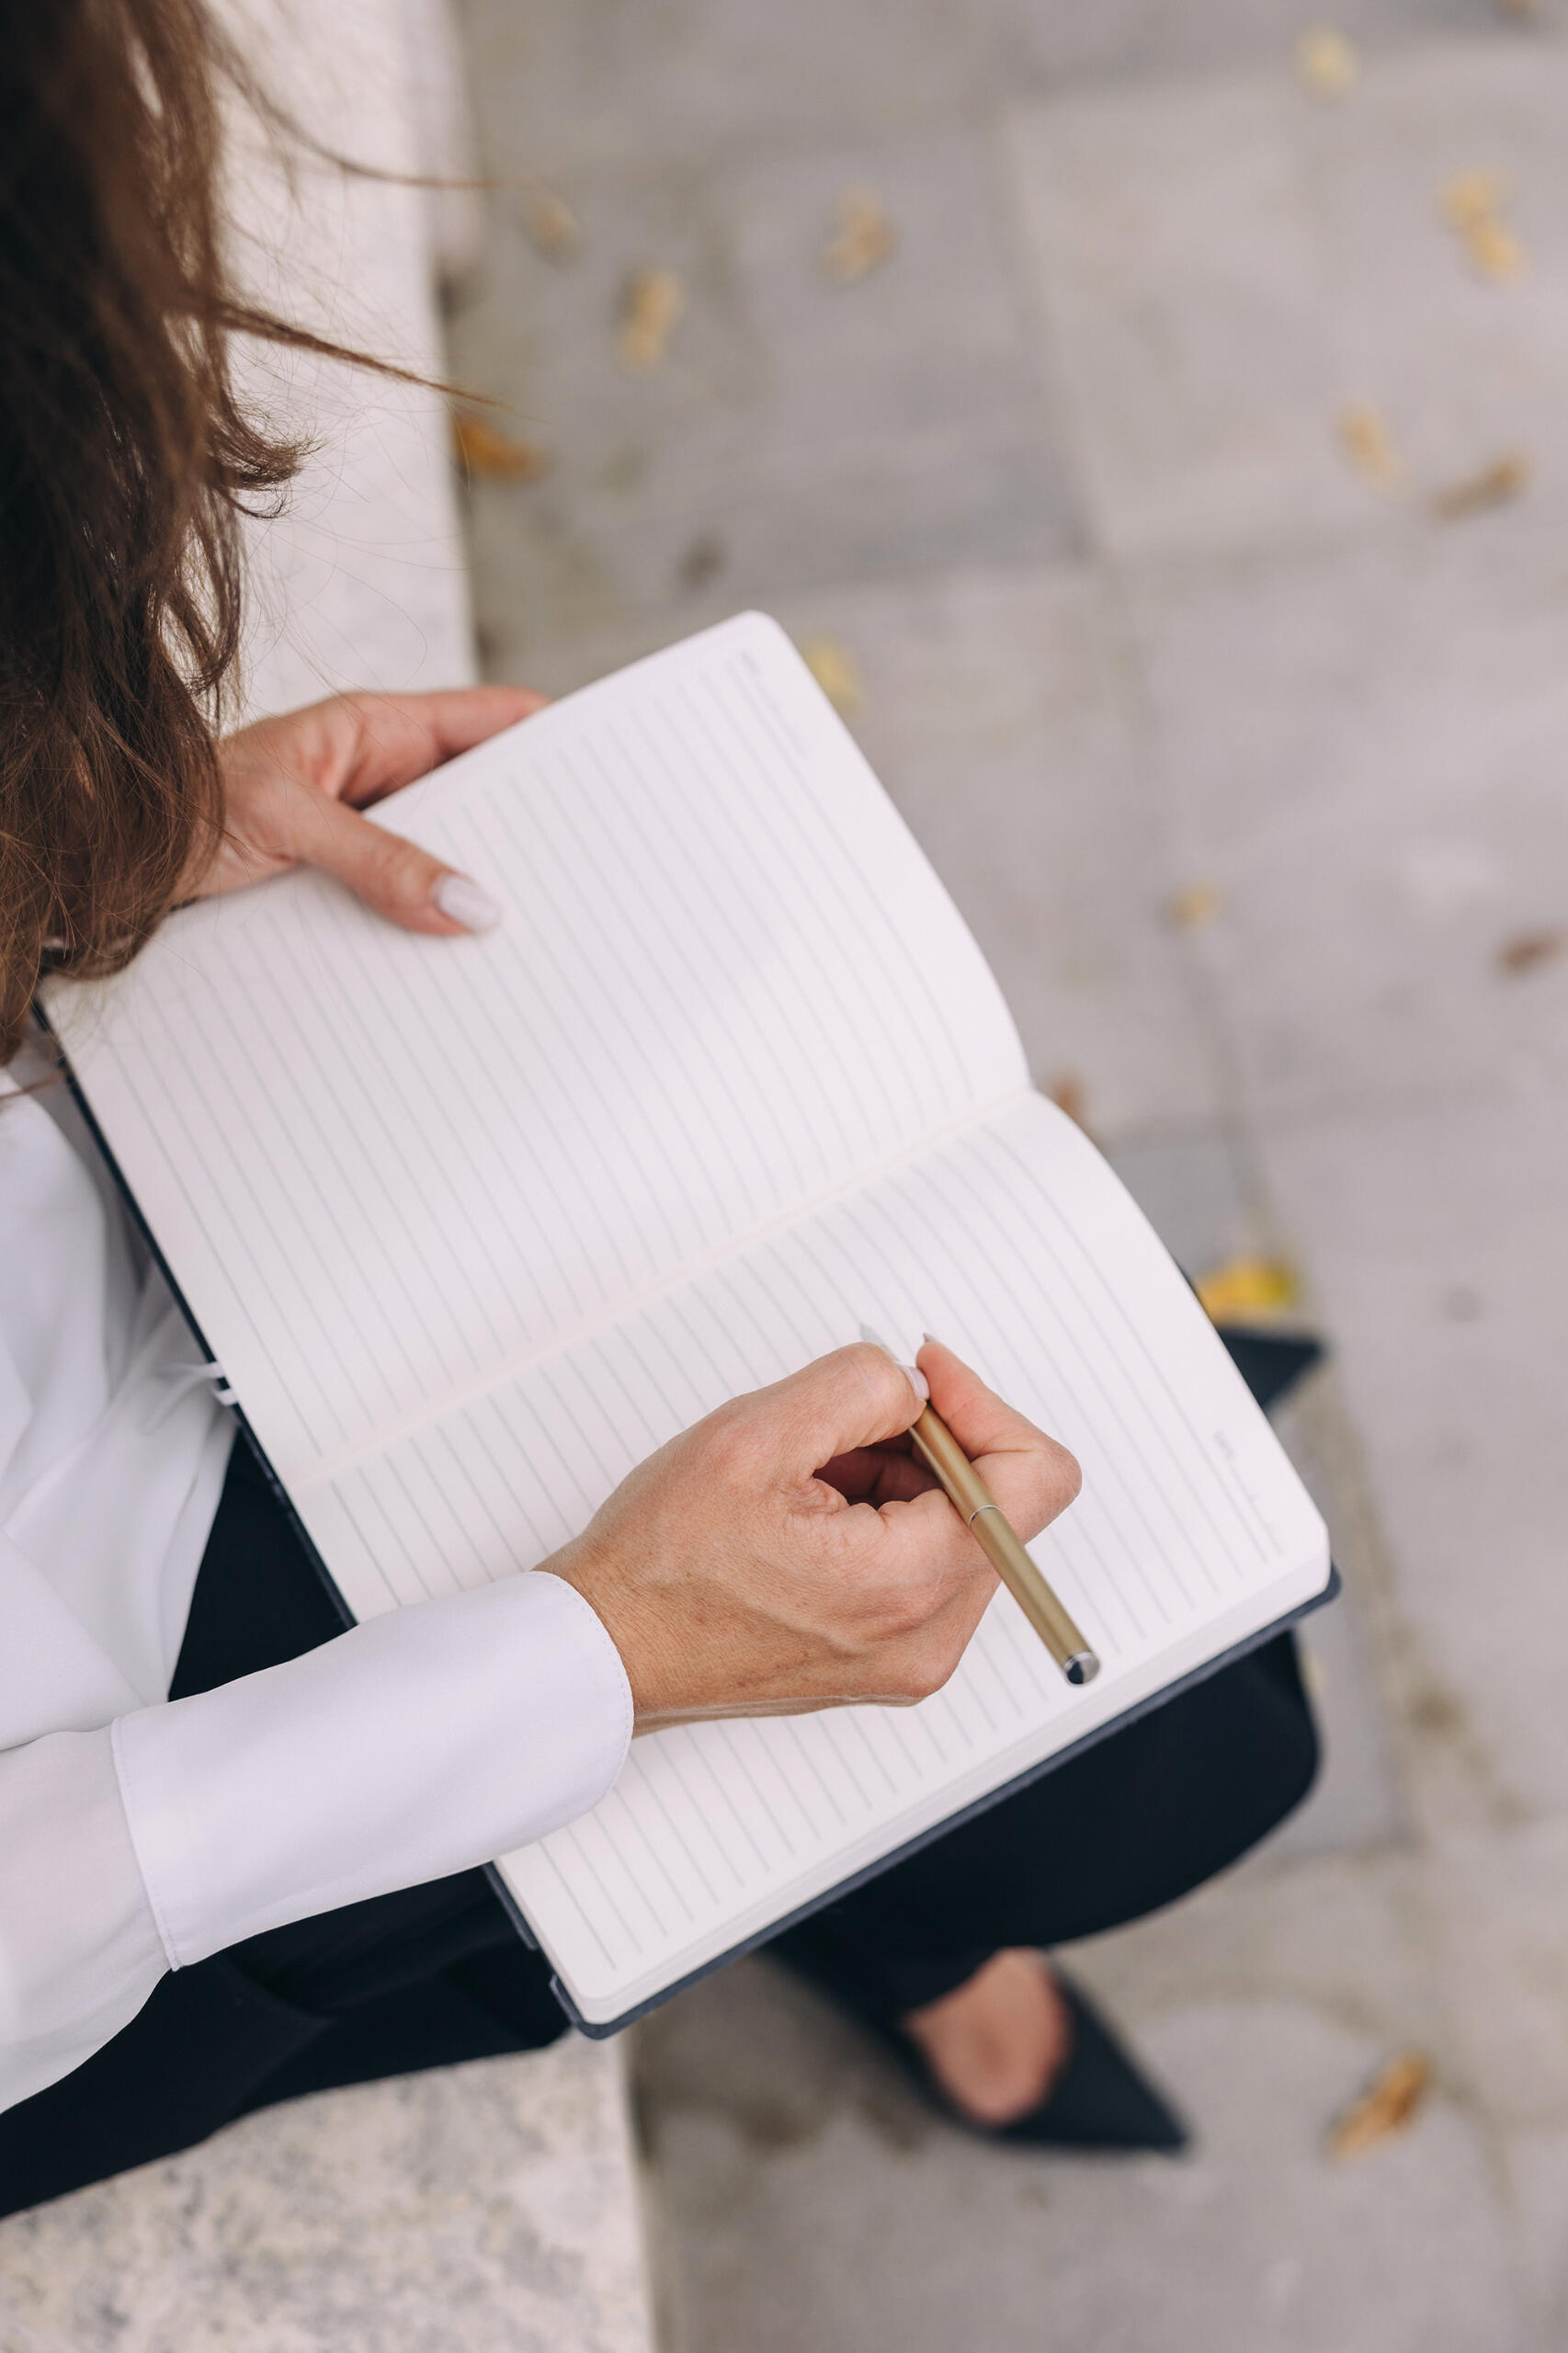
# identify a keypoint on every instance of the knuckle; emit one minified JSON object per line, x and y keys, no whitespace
{"x":1053,"y":1481}
{"x":1064,"y":1477}
{"x":1070,"y":1476}
{"x":886,"y":1389}
{"x":399,"y":874}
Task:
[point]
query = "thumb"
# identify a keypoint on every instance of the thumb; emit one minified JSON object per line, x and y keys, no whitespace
{"x":396,"y":877}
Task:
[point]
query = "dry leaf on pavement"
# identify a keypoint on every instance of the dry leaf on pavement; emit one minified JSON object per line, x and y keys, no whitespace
{"x":1527,"y":949}
{"x":653,"y":301}
{"x":551,"y":226}
{"x":1196,"y":905}
{"x":1506,"y":477}
{"x":1496,"y":250}
{"x":1366,"y":440}
{"x":863,"y":236}
{"x":1472,"y":196}
{"x":1326,"y":65}
{"x":1384,"y":2108}
{"x":1247,"y":1287}
{"x":834,"y":671}
{"x":702,"y":559}
{"x":481,"y":450}
{"x":1070,"y":1095}
{"x":1472,"y":204}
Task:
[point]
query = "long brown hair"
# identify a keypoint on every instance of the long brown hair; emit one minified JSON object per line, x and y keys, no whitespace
{"x":126,"y":459}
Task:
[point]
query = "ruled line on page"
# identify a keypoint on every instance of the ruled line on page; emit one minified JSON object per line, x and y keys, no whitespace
{"x":1242,"y":1504}
{"x":332,"y":1466}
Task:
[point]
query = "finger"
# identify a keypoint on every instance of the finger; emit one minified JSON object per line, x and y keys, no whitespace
{"x":910,"y":1560}
{"x":856,"y":1397}
{"x":401,"y":737}
{"x":876,"y":1474}
{"x":397,"y":878}
{"x":1031,"y":1474}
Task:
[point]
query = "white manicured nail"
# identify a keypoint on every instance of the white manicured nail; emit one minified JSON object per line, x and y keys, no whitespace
{"x":911,"y":1372}
{"x":463,"y":902}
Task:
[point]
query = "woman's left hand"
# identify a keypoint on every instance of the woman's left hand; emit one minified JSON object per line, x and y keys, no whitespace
{"x":294,"y":787}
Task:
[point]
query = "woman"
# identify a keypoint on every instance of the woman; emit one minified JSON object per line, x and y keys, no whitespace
{"x":165,"y":1648}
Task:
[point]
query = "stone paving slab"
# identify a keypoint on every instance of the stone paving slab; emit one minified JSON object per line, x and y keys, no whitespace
{"x":795,"y":430}
{"x":1145,"y":40}
{"x":1363,"y":750}
{"x":1436,"y":1246}
{"x":799,"y":2174}
{"x":1223,"y":267}
{"x":582,"y":82}
{"x":1002,"y":710}
{"x":585,"y":84}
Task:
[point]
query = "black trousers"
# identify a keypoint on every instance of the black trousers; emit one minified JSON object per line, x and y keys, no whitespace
{"x":437,"y":1973}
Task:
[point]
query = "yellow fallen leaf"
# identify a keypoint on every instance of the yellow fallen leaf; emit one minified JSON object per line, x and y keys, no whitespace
{"x":653,"y":303}
{"x":1496,"y":250}
{"x":1242,"y":1288}
{"x":1506,"y":477}
{"x":863,"y":236}
{"x":1472,"y":204}
{"x":1070,"y":1095}
{"x":1386,"y":2107}
{"x":1196,"y":905}
{"x":834,"y":671}
{"x":1366,"y":440}
{"x":551,"y":226}
{"x":1326,"y":65}
{"x":481,"y":450}
{"x":1471,"y":197}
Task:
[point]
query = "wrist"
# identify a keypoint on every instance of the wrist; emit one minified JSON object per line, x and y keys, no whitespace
{"x":658,"y":1668}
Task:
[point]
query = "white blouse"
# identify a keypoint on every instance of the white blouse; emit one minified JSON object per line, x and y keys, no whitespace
{"x":136,"y":1833}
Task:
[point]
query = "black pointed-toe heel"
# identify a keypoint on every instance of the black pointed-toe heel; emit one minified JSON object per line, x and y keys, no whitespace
{"x":1099,"y":2100}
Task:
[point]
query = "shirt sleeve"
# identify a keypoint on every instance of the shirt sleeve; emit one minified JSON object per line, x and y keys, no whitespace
{"x":418,"y":1744}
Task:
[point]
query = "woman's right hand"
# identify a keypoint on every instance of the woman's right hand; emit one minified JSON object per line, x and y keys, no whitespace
{"x":788,"y":1553}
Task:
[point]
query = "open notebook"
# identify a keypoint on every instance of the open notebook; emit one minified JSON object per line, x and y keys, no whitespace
{"x":471,"y":1227}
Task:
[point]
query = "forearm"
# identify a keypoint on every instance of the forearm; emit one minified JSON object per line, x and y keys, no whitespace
{"x":413,"y":1746}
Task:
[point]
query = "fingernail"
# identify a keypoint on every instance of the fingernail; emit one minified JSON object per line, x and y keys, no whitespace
{"x":931,"y":1337}
{"x":911,"y":1372}
{"x":463,"y":902}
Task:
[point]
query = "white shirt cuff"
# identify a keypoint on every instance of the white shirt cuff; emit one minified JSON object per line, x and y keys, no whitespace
{"x":418,"y":1744}
{"x":79,"y":1952}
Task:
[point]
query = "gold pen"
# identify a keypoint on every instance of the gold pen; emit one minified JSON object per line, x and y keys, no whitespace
{"x":982,"y":1515}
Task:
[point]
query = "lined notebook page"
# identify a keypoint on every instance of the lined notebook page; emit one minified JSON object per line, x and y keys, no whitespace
{"x":1015,"y":1242}
{"x":386,"y":1168}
